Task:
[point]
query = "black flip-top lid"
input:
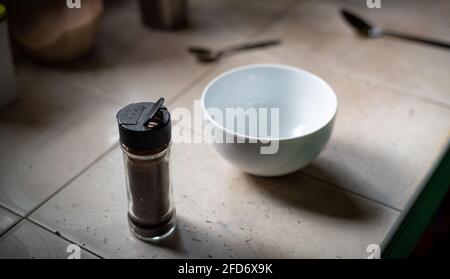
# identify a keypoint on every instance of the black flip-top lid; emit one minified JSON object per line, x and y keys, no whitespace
{"x":144,"y":125}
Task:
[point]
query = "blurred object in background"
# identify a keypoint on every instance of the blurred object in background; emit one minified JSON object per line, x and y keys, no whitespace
{"x":7,"y":88}
{"x":164,"y":14}
{"x":49,"y":31}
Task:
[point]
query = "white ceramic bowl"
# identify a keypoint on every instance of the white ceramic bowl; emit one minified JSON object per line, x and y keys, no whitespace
{"x":307,"y":109}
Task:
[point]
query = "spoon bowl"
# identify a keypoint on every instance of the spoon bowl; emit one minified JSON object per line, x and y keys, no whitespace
{"x":204,"y":54}
{"x":207,"y":55}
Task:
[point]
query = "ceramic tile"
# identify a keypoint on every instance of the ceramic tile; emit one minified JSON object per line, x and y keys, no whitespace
{"x":384,"y":144}
{"x":222,"y":213}
{"x":29,"y":241}
{"x":7,"y":219}
{"x":52,"y":133}
{"x":406,"y":67}
{"x":133,"y":63}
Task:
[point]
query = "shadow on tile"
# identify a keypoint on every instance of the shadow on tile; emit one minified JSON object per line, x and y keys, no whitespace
{"x":363,"y":169}
{"x":298,"y":191}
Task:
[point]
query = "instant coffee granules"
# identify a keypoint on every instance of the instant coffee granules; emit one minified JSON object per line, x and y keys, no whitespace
{"x":145,"y":136}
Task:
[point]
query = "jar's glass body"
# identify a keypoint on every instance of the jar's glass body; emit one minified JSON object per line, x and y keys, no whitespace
{"x":151,"y":212}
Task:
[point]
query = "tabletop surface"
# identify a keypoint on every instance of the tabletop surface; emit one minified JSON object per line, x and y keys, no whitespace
{"x":61,"y":174}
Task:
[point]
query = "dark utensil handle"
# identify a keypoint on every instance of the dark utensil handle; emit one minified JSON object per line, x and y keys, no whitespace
{"x":251,"y":45}
{"x":417,"y":39}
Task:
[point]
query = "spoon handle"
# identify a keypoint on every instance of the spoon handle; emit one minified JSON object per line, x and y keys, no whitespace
{"x":417,"y":39}
{"x":251,"y":45}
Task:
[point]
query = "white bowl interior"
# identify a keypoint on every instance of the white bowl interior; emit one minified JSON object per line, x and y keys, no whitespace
{"x":306,"y":103}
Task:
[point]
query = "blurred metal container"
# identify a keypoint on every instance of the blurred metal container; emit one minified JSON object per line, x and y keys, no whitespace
{"x":7,"y":84}
{"x":49,"y":31}
{"x":164,"y":14}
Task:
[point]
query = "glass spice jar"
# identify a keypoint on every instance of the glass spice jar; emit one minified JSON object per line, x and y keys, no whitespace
{"x":145,"y":137}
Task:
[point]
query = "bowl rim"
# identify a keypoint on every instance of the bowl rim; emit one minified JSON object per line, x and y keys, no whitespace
{"x":274,"y":66}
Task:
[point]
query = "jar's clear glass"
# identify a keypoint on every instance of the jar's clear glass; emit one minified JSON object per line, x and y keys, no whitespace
{"x":151,"y":212}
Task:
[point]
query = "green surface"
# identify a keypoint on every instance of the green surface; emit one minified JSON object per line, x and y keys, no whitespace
{"x":421,"y":214}
{"x":2,"y":12}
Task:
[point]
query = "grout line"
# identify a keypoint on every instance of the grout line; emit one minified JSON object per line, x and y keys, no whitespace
{"x":103,"y":155}
{"x":63,"y":237}
{"x":389,"y":87}
{"x":19,"y":219}
{"x":351,"y":192}
{"x":13,"y":225}
{"x":26,"y":216}
{"x":10,"y":210}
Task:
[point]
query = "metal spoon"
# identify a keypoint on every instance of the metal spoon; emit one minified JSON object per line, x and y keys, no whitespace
{"x":207,"y":55}
{"x":366,"y":29}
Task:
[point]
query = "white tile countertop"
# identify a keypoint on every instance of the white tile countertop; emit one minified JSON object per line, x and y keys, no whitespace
{"x":61,"y":169}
